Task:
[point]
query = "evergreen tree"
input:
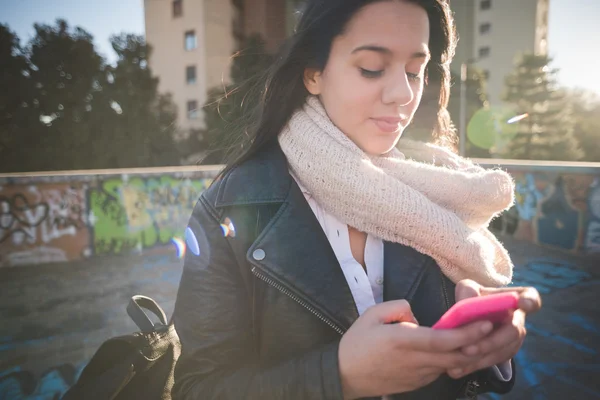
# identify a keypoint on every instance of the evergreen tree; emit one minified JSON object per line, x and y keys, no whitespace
{"x":547,"y":133}
{"x":586,"y":113}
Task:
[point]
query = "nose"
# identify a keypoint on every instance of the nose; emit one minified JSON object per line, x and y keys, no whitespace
{"x":398,"y":90}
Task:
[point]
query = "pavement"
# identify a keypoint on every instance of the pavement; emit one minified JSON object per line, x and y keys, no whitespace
{"x":560,"y":357}
{"x":55,"y":316}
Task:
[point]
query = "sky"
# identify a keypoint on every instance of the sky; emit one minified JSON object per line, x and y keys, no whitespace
{"x":573,"y":39}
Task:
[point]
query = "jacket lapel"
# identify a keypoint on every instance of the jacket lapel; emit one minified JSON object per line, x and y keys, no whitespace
{"x":297,"y":254}
{"x":403,"y":269}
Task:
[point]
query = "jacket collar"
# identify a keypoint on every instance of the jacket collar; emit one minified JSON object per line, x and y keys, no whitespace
{"x":297,"y":254}
{"x":264,"y":179}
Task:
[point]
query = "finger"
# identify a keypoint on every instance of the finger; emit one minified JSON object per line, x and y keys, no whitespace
{"x":390,"y":312}
{"x":529,"y":298}
{"x":449,"y":360}
{"x":487,"y":361}
{"x":505,"y":335}
{"x":466,"y":288}
{"x":426,"y":377}
{"x":443,"y":340}
{"x":530,"y":301}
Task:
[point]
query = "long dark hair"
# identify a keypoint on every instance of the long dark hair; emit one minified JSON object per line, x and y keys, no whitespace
{"x":281,"y":90}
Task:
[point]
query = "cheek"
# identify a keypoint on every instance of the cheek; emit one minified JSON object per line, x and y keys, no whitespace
{"x":418,"y":95}
{"x":349,"y":99}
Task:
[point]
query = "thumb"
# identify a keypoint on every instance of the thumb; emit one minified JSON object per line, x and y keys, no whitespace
{"x":391,"y":312}
{"x":467,"y":288}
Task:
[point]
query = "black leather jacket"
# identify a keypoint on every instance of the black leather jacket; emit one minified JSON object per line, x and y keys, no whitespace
{"x":260,"y":315}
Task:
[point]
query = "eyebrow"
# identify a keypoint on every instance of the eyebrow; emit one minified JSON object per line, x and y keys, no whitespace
{"x":386,"y":51}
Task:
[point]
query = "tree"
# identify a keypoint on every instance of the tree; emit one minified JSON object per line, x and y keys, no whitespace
{"x":226,"y":106}
{"x":65,"y":68}
{"x":64,"y":108}
{"x":586,"y":114}
{"x":547,"y":132}
{"x":16,"y":105}
{"x":144,"y":121}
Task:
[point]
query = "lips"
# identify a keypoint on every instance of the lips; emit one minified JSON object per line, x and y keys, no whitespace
{"x":389,"y":124}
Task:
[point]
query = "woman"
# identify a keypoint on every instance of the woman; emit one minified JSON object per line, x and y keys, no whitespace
{"x":320,"y":258}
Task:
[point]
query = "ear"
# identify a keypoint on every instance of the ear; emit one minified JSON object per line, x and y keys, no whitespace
{"x":312,"y":81}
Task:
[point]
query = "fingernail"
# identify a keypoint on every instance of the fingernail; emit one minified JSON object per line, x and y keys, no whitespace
{"x":456,"y":371}
{"x":471,"y":350}
{"x":486,"y":327}
{"x":529,"y":304}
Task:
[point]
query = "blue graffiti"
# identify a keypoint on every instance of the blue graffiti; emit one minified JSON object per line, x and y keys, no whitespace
{"x":563,"y":372}
{"x":549,"y":274}
{"x":558,"y":224}
{"x":561,"y":339}
{"x":592,"y":241}
{"x":23,"y":385}
{"x":583,"y":323}
{"x":530,"y":195}
{"x":534,"y":373}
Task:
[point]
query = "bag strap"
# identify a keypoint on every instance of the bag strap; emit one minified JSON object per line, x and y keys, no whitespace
{"x":136,"y":307}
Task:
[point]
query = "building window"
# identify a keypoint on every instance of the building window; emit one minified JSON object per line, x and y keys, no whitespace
{"x":484,"y":52}
{"x":485,"y":28}
{"x":190,"y":75}
{"x":177,"y":8}
{"x":485,"y":4}
{"x":192,"y":109}
{"x":190,"y":40}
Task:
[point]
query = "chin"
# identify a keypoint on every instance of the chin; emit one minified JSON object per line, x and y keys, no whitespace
{"x":377,"y":147}
{"x":379,"y":150}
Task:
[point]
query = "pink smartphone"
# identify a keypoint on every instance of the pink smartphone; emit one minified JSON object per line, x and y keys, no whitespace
{"x":494,"y":308}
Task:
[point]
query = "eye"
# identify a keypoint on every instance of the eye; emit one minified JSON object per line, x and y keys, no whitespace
{"x":370,"y":74}
{"x":413,"y":77}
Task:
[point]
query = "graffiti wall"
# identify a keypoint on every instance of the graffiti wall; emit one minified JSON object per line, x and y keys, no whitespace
{"x":42,"y":223}
{"x":67,"y":218}
{"x":555,"y":206}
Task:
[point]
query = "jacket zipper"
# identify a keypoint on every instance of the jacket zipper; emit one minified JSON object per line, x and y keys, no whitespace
{"x":446,"y":299}
{"x":271,"y":282}
{"x":259,"y":274}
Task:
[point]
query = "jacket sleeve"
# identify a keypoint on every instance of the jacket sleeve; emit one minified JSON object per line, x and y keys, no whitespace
{"x":492,"y":380}
{"x":213,"y":318}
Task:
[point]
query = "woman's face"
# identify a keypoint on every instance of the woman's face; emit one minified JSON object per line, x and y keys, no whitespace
{"x":373,"y":81}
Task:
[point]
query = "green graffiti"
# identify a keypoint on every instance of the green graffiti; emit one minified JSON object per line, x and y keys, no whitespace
{"x":140,"y":213}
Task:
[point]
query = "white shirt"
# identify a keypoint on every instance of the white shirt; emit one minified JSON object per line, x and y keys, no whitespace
{"x":366,"y":287}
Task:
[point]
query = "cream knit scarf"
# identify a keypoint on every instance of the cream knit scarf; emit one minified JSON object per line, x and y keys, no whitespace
{"x":422,"y":195}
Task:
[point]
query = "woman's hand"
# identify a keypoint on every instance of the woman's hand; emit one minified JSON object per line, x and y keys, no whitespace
{"x":506,"y":340}
{"x":385,"y":351}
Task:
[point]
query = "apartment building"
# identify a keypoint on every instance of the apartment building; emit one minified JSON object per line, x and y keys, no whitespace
{"x":492,"y":33}
{"x":193,"y":41}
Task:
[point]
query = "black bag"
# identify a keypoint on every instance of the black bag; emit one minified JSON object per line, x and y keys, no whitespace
{"x":136,"y":366}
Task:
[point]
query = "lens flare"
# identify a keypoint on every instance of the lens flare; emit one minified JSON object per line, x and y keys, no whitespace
{"x":517,"y":118}
{"x":488,"y":128}
{"x":191,"y":241}
{"x":228,"y":228}
{"x":179,"y":246}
